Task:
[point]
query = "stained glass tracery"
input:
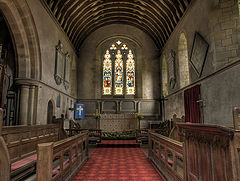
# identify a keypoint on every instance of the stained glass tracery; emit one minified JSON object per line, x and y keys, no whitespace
{"x":130,"y":74}
{"x":119,"y":74}
{"x":107,"y":74}
{"x":119,"y":70}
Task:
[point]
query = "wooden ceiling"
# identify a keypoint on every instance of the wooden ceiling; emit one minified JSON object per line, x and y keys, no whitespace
{"x":79,"y":18}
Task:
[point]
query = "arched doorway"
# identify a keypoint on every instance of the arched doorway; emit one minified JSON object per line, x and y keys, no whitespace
{"x":50,"y":112}
{"x":183,"y":61}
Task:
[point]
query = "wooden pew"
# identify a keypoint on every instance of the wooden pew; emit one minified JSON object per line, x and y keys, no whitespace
{"x":4,"y":155}
{"x":212,"y":152}
{"x":21,"y":146}
{"x":175,"y":133}
{"x":167,"y":155}
{"x":61,"y":160}
{"x":95,"y":135}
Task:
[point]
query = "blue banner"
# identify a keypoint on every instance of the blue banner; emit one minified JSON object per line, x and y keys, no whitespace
{"x":79,"y":110}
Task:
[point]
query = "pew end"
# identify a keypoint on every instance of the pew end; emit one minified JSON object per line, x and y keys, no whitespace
{"x":175,"y":133}
{"x":236,"y":118}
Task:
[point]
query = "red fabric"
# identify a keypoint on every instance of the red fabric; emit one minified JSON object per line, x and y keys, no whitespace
{"x":192,"y":107}
{"x":114,"y":164}
{"x":23,"y":162}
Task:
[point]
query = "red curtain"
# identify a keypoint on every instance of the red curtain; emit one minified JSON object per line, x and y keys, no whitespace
{"x":191,"y":104}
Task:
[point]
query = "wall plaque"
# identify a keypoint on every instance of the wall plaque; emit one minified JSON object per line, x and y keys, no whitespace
{"x":62,"y":66}
{"x":199,"y":53}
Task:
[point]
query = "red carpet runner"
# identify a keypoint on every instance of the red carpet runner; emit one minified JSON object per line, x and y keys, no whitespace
{"x":114,"y":164}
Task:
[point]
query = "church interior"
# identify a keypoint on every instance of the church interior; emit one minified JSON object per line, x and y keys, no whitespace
{"x":120,"y":90}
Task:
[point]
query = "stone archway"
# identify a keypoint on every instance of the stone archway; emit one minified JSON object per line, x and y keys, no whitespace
{"x":25,"y":37}
{"x":183,"y":61}
{"x":27,"y":50}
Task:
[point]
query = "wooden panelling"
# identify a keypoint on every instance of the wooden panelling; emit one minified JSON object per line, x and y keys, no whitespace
{"x":60,"y":160}
{"x":210,"y":152}
{"x":167,"y":155}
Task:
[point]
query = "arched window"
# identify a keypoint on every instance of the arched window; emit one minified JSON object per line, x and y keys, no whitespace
{"x":183,"y":61}
{"x":164,"y":77}
{"x":130,"y":74}
{"x":107,"y":74}
{"x":119,"y":62}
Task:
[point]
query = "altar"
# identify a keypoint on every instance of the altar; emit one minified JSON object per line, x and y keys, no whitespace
{"x":118,"y":122}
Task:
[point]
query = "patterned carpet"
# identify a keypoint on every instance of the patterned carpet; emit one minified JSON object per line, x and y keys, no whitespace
{"x":118,"y":144}
{"x":115,"y":164}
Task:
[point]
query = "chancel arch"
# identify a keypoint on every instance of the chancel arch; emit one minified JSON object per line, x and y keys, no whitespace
{"x":164,"y":70}
{"x":183,"y":61}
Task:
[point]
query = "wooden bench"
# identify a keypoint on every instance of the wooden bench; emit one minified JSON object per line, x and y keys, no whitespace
{"x":20,"y":147}
{"x":61,"y":160}
{"x":95,"y":135}
{"x":167,"y":155}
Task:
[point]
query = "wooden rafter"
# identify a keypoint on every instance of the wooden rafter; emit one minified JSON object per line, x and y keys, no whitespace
{"x":79,"y":18}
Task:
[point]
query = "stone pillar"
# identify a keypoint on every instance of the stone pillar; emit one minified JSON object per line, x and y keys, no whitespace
{"x":31,"y":105}
{"x":23,"y":114}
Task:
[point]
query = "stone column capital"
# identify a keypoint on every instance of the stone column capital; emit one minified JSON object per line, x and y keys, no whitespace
{"x":26,"y":82}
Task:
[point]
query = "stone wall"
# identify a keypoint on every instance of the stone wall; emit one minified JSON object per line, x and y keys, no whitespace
{"x":90,"y":61}
{"x":218,"y":23}
{"x":49,"y":34}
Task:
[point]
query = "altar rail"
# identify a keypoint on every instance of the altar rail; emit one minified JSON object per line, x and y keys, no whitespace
{"x":167,"y":155}
{"x":62,"y":159}
{"x":94,"y":135}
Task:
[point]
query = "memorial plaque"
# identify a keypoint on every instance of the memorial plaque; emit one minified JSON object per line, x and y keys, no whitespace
{"x":199,"y":53}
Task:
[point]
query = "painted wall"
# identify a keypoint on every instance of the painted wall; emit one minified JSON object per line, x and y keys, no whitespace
{"x":218,"y":23}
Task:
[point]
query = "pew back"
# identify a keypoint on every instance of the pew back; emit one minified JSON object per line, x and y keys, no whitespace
{"x":212,"y":152}
{"x":4,"y":156}
{"x":22,"y":141}
{"x":167,"y":155}
{"x":62,"y":159}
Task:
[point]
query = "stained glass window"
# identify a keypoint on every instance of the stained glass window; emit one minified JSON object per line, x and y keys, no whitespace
{"x":119,"y":70}
{"x":107,"y":74}
{"x":130,"y":74}
{"x":118,"y":74}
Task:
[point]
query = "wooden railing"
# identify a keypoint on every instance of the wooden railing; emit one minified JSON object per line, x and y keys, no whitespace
{"x":167,"y":155}
{"x":95,"y":135}
{"x":61,"y":160}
